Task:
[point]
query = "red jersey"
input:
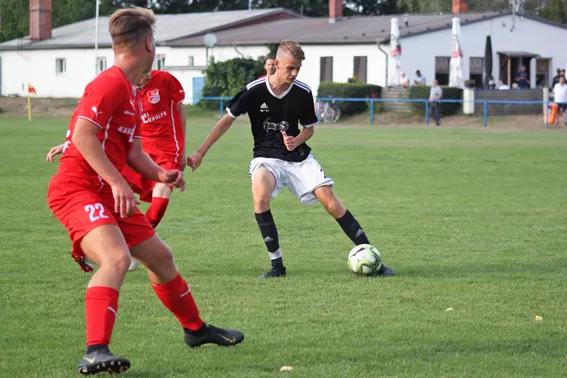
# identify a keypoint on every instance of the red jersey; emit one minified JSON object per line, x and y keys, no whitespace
{"x":162,"y":132}
{"x":111,"y":103}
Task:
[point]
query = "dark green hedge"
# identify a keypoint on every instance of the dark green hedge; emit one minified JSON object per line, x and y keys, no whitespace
{"x":447,"y":108}
{"x":228,"y":77}
{"x":329,"y":89}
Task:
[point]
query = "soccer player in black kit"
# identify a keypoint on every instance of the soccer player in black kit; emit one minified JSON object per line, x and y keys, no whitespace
{"x":275,"y":105}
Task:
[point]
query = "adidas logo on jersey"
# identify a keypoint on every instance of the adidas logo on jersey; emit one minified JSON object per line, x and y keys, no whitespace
{"x":264,"y":108}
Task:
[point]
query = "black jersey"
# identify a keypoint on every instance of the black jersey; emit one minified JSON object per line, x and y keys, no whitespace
{"x":270,"y":115}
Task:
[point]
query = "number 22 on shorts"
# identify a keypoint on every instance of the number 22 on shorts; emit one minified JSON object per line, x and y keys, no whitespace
{"x":96,"y":212}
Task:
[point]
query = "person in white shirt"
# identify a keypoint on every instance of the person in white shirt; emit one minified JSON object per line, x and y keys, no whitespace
{"x":404,"y":82}
{"x":419,"y":78}
{"x":560,"y":95}
{"x":435,"y":94}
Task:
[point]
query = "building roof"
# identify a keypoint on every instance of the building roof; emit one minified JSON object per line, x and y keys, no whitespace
{"x":169,"y":26}
{"x":349,"y":30}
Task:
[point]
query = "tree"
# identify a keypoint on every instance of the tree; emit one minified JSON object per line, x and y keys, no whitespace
{"x":415,"y":6}
{"x":554,"y":11}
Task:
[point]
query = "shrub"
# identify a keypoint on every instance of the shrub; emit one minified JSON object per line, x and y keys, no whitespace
{"x":447,"y":108}
{"x":346,"y":90}
{"x":226,"y":78}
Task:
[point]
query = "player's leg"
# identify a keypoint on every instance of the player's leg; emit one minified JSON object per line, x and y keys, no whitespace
{"x":159,"y":202}
{"x":346,"y":220}
{"x":176,"y":295}
{"x":106,"y":247}
{"x":263,"y":185}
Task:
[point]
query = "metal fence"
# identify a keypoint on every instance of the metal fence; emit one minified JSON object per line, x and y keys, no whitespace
{"x":486,"y":107}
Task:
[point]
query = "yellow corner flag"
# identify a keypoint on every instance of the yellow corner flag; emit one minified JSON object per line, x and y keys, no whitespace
{"x":31,"y":90}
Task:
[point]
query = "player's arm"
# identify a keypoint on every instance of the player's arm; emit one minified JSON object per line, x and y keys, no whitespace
{"x":183,"y":118}
{"x":291,"y":143}
{"x":308,"y":118}
{"x":142,"y":163}
{"x":57,"y":150}
{"x":194,"y":161}
{"x":85,"y":140}
{"x":237,"y":106}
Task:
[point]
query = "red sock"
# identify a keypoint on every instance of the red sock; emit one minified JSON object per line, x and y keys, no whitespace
{"x":156,"y":211}
{"x":101,"y":304}
{"x":176,"y":296}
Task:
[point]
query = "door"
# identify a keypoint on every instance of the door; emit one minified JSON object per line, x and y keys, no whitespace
{"x":198,"y":84}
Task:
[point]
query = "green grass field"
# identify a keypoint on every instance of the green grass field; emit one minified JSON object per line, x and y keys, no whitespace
{"x":470,"y":219}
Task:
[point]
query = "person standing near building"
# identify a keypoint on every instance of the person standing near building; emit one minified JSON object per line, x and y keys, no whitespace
{"x":435,"y":94}
{"x":269,"y":66}
{"x":560,"y":97}
{"x":522,"y":78}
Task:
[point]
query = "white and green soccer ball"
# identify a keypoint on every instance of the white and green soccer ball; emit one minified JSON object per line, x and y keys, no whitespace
{"x":364,"y":259}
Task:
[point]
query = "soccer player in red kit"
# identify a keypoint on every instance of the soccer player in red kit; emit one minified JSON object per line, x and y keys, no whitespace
{"x":89,"y":196}
{"x":163,"y":138}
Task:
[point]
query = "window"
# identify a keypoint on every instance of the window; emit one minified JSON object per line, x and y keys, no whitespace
{"x":160,"y":62}
{"x":360,"y":64}
{"x":476,"y":71}
{"x":326,"y":68}
{"x":100,"y":65}
{"x":61,"y":66}
{"x":442,"y":64}
{"x":542,"y":72}
{"x":191,"y":61}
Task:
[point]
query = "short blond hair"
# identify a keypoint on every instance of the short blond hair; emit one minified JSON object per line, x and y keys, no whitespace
{"x":129,"y":26}
{"x":293,"y":48}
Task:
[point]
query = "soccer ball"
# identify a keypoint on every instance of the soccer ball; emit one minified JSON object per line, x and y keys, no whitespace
{"x":364,"y":259}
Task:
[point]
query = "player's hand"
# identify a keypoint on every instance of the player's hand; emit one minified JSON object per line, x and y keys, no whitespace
{"x":174,"y":178}
{"x":289,"y":141}
{"x":125,"y":201}
{"x":57,"y":150}
{"x":194,"y":161}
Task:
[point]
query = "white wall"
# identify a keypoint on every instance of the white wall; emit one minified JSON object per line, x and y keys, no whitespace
{"x":38,"y":68}
{"x":419,"y":52}
{"x":343,"y":63}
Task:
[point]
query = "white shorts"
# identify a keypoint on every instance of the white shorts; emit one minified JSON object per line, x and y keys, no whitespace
{"x":301,"y":178}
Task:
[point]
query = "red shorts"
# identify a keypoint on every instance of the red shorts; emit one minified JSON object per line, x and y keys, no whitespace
{"x":144,"y":186}
{"x":81,"y":210}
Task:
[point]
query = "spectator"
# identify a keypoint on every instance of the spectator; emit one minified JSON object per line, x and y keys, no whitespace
{"x":419,"y":78}
{"x":404,"y":82}
{"x":435,"y":94}
{"x":522,"y":78}
{"x":491,"y":84}
{"x":560,"y":96}
{"x":502,"y":86}
{"x":269,"y":66}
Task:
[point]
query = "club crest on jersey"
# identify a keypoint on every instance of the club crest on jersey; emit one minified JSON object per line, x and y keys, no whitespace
{"x":264,"y":108}
{"x":153,"y":96}
{"x":275,"y":126}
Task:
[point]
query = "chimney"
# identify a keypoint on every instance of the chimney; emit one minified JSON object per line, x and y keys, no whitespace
{"x":40,"y":20}
{"x":335,"y":10}
{"x":460,"y":6}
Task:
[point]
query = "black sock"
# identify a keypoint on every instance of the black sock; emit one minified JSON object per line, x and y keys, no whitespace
{"x":270,"y":234}
{"x":353,"y":230}
{"x":94,"y":348}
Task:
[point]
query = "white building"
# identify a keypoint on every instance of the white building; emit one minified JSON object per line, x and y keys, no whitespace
{"x":62,"y":61}
{"x":337,"y":48}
